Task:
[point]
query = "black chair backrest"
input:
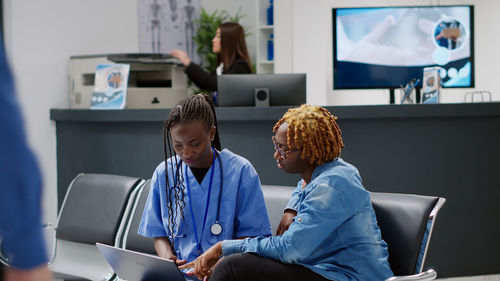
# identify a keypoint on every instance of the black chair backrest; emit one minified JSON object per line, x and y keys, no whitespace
{"x":402,"y":219}
{"x":132,"y":240}
{"x":93,"y":208}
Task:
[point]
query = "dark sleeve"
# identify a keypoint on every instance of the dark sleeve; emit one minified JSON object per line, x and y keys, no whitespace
{"x":208,"y":81}
{"x":201,"y":78}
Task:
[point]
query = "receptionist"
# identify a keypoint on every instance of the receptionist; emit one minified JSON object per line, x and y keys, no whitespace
{"x":232,"y":57}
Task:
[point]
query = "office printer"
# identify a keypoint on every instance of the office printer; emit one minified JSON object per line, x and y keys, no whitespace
{"x":155,"y":80}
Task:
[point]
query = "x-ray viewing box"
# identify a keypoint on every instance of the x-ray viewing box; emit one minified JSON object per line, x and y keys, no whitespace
{"x":155,"y":80}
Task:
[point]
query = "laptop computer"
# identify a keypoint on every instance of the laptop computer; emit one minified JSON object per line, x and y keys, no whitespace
{"x":135,"y":266}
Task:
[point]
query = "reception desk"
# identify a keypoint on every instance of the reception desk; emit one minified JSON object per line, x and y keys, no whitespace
{"x":448,"y":150}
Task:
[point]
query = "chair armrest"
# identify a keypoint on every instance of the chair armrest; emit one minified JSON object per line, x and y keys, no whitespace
{"x":422,"y":276}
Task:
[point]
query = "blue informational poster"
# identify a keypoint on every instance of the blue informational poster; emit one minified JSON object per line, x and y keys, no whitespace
{"x":431,"y":85}
{"x":110,"y":86}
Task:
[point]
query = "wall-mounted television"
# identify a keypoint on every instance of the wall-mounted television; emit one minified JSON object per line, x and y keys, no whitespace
{"x":386,"y":47}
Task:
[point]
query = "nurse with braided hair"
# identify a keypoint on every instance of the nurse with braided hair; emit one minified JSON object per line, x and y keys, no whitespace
{"x":200,"y":193}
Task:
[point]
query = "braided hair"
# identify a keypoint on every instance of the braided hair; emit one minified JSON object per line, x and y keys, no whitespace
{"x":314,"y":131}
{"x":195,"y":108}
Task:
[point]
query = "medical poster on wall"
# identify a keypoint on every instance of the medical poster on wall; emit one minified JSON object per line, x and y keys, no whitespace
{"x":165,"y":25}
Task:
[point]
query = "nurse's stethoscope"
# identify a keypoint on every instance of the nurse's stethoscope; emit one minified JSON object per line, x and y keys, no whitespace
{"x":216,"y":228}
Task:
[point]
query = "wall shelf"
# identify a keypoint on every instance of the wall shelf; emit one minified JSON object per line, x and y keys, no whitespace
{"x":263,"y":33}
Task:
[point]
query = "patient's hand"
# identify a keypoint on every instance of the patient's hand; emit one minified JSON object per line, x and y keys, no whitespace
{"x":286,"y":221}
{"x":205,"y":264}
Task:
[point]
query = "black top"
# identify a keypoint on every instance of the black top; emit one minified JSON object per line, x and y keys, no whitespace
{"x":208,"y":81}
{"x":199,"y":173}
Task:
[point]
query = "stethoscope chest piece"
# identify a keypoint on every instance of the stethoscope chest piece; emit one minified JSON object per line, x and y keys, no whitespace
{"x":216,"y":229}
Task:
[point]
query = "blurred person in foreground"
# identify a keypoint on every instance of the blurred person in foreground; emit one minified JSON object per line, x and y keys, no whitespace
{"x":20,"y":191}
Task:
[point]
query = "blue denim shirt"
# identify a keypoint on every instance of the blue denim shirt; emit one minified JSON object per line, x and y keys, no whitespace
{"x":335,"y":232}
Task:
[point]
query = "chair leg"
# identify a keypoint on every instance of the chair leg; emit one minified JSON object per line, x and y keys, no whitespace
{"x":422,"y":276}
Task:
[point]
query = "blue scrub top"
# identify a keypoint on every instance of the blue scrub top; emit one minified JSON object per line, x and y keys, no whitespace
{"x":242,"y":211}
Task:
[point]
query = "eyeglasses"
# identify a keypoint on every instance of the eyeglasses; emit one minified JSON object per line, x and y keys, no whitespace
{"x":283,"y":152}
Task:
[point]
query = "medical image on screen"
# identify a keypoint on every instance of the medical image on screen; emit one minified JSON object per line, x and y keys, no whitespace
{"x":387,"y":47}
{"x":450,"y":34}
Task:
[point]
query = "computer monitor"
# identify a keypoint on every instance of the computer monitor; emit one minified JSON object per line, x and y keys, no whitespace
{"x":285,"y":89}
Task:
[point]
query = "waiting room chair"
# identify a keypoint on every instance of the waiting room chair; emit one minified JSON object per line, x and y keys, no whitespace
{"x":91,"y":212}
{"x":130,"y":239}
{"x":406,"y":222}
{"x":276,"y":198}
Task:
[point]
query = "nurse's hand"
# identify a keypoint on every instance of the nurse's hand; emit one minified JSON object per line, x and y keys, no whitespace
{"x":205,"y":264}
{"x":177,"y":261}
{"x":172,"y":257}
{"x":164,"y":250}
{"x":181,"y":56}
{"x":286,"y":221}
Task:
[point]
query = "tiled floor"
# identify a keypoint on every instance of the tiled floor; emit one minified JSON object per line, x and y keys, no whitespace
{"x":495,"y":277}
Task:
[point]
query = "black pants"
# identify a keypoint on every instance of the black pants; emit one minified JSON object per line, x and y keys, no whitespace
{"x":245,"y":266}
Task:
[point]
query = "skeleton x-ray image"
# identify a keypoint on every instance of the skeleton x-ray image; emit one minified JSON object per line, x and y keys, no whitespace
{"x":165,"y":25}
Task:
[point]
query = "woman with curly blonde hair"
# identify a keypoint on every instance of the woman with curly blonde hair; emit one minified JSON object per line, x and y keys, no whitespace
{"x":328,"y":231}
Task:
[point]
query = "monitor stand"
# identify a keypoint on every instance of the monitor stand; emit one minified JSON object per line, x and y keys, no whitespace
{"x":392,"y":96}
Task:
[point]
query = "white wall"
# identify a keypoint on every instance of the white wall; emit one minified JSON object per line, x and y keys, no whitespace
{"x":313,"y":50}
{"x":40,"y":36}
